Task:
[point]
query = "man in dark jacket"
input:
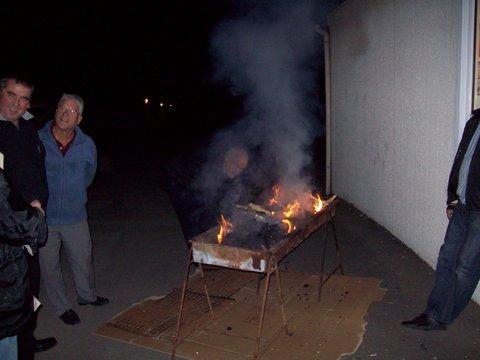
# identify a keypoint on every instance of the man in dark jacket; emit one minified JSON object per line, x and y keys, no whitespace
{"x":17,"y":229}
{"x":202,"y":185}
{"x":458,"y":264}
{"x":25,"y":173}
{"x":19,"y":142}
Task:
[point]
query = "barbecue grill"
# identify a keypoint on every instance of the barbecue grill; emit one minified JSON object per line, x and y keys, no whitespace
{"x":264,"y":259}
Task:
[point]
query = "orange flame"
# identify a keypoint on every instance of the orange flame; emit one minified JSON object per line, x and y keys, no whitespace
{"x":292,"y":209}
{"x":225,"y":228}
{"x":290,"y":226}
{"x":276,"y":193}
{"x":317,"y":203}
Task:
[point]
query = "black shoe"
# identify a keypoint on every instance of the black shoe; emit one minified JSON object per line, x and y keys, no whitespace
{"x":45,"y":344}
{"x":99,"y":301}
{"x":424,"y":322}
{"x":70,"y":317}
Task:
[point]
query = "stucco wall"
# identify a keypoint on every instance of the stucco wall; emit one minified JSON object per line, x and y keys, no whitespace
{"x":394,"y":94}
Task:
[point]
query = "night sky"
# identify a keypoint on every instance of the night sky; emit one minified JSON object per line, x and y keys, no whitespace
{"x":116,"y":55}
{"x":108,"y":51}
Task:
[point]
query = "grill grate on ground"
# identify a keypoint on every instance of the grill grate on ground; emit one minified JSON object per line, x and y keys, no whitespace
{"x":154,"y":317}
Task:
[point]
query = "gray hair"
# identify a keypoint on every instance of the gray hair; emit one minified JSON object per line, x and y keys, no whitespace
{"x":75,"y":98}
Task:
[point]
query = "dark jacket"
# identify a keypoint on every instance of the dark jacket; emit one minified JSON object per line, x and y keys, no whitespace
{"x":24,"y":164}
{"x":200,"y":192}
{"x":16,"y":229}
{"x":472,"y":196}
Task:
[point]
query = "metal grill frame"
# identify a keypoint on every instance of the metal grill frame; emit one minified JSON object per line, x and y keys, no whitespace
{"x":205,"y":251}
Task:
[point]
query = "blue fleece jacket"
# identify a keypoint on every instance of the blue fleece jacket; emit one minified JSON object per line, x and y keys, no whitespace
{"x":68,"y":177}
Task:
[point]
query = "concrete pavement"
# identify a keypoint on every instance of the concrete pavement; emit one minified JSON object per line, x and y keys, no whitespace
{"x":139,"y":251}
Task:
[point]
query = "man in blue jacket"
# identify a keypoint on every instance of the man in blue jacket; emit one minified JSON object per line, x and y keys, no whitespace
{"x":71,"y":161}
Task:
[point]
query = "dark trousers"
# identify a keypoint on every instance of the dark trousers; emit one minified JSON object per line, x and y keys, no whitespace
{"x":26,"y":339}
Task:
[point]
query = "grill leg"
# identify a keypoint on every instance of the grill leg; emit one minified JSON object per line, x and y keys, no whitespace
{"x":264,"y":306}
{"x":337,"y":247}
{"x":205,"y":288}
{"x":182,"y":300}
{"x":331,"y":223}
{"x":259,"y":280}
{"x":281,"y":298}
{"x":322,"y":266}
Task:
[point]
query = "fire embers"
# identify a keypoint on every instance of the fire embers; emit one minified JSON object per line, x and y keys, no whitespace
{"x":278,"y":217}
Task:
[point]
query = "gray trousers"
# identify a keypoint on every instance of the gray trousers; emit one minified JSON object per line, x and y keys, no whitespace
{"x":77,"y":245}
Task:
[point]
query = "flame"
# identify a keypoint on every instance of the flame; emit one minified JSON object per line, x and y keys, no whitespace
{"x":225,"y":228}
{"x":292,"y":209}
{"x":290,"y":226}
{"x":317,"y":203}
{"x":298,"y":207}
{"x":276,"y":193}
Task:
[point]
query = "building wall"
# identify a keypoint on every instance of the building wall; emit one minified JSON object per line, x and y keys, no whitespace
{"x":394,"y":100}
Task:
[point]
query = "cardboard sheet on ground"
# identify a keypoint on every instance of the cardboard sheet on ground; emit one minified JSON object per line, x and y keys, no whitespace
{"x":324,"y":330}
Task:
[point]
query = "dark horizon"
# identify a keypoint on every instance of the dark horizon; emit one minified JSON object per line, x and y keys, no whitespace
{"x":115,"y":58}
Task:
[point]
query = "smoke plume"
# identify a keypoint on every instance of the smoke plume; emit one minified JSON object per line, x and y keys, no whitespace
{"x":270,"y":57}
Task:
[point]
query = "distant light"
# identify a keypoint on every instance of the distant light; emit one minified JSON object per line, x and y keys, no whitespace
{"x":161,"y":104}
{"x":146,"y":100}
{"x":171,"y":105}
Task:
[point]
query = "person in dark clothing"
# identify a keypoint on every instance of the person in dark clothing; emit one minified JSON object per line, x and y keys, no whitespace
{"x":202,"y":186}
{"x":24,"y":170}
{"x":17,"y":229}
{"x":458,"y":264}
{"x":23,"y":151}
{"x":195,"y":213}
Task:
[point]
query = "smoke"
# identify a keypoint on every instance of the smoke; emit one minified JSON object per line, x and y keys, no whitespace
{"x":270,"y":57}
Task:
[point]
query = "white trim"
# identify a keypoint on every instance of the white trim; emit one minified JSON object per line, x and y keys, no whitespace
{"x":466,"y":65}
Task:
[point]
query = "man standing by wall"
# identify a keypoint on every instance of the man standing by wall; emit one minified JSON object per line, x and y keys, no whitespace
{"x":458,"y":264}
{"x":25,"y":172}
{"x":71,"y":159}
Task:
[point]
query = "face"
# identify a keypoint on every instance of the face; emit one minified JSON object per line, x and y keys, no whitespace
{"x":67,"y":115}
{"x":236,"y":160}
{"x":14,"y":100}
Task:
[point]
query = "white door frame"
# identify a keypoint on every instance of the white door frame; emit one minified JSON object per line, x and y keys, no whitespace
{"x":467,"y":47}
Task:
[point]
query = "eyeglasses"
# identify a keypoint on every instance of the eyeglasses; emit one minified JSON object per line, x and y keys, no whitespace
{"x":70,"y":112}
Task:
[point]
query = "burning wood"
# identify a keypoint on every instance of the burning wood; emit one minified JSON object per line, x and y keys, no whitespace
{"x":257,"y":208}
{"x":276,"y":223}
{"x":258,"y":213}
{"x":317,"y":203}
{"x":328,"y":201}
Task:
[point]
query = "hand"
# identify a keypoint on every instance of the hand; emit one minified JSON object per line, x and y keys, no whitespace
{"x":449,"y":213}
{"x":38,"y":205}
